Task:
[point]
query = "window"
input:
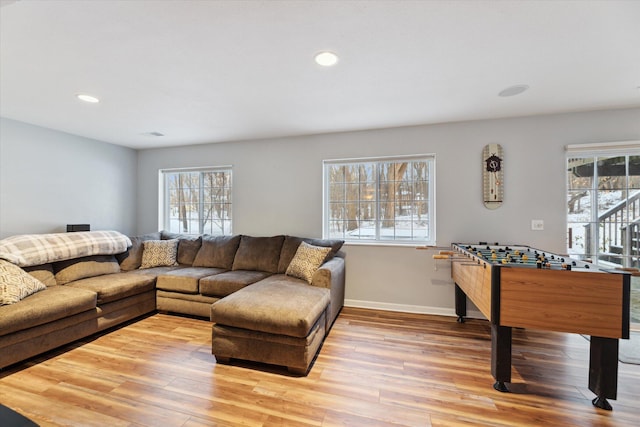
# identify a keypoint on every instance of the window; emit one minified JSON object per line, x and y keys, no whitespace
{"x":603,"y":208}
{"x":389,"y":200}
{"x":196,"y":201}
{"x":603,"y":203}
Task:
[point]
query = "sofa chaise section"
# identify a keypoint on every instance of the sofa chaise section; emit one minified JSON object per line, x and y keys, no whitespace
{"x":277,"y":322}
{"x":283,"y":318}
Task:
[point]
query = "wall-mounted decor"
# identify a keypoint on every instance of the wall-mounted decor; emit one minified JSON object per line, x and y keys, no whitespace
{"x":492,"y":176}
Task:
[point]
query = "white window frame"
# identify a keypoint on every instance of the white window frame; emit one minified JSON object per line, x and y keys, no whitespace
{"x":594,"y":151}
{"x":163,"y":198}
{"x":430,"y":159}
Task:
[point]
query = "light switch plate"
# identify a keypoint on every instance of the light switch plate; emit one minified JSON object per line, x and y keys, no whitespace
{"x":537,"y":224}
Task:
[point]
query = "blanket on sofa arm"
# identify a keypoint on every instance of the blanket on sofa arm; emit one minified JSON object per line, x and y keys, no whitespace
{"x":34,"y":249}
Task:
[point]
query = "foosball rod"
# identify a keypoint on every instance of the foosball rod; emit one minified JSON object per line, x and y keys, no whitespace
{"x":428,"y":248}
{"x":436,"y":257}
{"x":453,"y":256}
{"x":444,"y":252}
{"x":449,"y":255}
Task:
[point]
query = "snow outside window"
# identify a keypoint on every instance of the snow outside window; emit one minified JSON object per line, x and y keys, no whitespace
{"x":382,"y":200}
{"x":196,"y":201}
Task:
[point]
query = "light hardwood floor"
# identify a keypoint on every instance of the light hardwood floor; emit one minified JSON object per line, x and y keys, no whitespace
{"x":375,"y":369}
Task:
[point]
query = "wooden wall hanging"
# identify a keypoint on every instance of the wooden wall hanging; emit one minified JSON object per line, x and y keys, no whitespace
{"x":492,"y":176}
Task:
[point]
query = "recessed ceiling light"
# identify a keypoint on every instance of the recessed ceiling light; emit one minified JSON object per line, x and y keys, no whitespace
{"x":87,"y":98}
{"x":326,"y":59}
{"x":513,"y":90}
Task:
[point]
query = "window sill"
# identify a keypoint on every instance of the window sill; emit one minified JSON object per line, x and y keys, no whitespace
{"x":391,"y":244}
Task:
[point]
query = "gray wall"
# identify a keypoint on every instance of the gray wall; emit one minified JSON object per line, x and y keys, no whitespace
{"x":278,"y":190}
{"x":49,"y":179}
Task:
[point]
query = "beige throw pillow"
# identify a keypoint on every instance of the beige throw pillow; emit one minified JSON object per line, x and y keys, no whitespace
{"x":16,"y":284}
{"x":132,"y":258}
{"x":159,"y":253}
{"x":306,"y":261}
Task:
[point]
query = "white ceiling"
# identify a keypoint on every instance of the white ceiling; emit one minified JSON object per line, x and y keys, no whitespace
{"x":210,"y":71}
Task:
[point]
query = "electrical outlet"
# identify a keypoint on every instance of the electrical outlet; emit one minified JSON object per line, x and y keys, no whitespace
{"x":537,"y":224}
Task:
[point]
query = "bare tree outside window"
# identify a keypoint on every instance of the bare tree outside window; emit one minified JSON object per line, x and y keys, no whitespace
{"x":381,"y":200}
{"x":198,"y":202}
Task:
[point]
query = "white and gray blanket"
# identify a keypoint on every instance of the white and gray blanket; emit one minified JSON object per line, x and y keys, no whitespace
{"x":34,"y":249}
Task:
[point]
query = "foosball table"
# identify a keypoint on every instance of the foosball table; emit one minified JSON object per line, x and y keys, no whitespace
{"x":523,"y":287}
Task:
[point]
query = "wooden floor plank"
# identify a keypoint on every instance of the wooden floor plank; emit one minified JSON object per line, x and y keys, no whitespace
{"x":376,"y":368}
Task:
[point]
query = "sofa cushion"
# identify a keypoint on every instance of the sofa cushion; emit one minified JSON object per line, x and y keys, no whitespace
{"x":217,"y":251}
{"x":227,"y":283}
{"x":185,"y":279}
{"x":116,"y":286}
{"x":159,"y":253}
{"x":132,"y":258}
{"x":45,"y":306}
{"x":276,"y":307}
{"x":80,"y":268}
{"x":42,"y":272}
{"x":157,"y":271}
{"x":306,"y":261}
{"x":258,"y":253}
{"x":16,"y":284}
{"x":291,"y":243}
{"x":188,"y":246}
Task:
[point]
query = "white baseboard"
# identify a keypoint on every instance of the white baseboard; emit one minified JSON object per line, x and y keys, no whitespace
{"x":405,"y":308}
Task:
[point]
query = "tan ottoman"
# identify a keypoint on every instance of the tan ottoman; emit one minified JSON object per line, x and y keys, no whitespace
{"x":276,"y":322}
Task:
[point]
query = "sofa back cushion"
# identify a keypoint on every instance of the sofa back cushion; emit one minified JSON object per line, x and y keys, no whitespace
{"x":42,"y":272}
{"x":217,"y":251}
{"x":291,"y":244}
{"x":188,"y":246}
{"x":132,"y":259}
{"x":81,"y":268}
{"x":258,"y":253}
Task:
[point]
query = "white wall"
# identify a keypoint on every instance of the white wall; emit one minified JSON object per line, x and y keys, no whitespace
{"x":278,"y":190}
{"x":49,"y":179}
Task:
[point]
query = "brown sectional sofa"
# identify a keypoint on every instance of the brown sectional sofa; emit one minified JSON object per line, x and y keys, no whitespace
{"x":240,"y":282}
